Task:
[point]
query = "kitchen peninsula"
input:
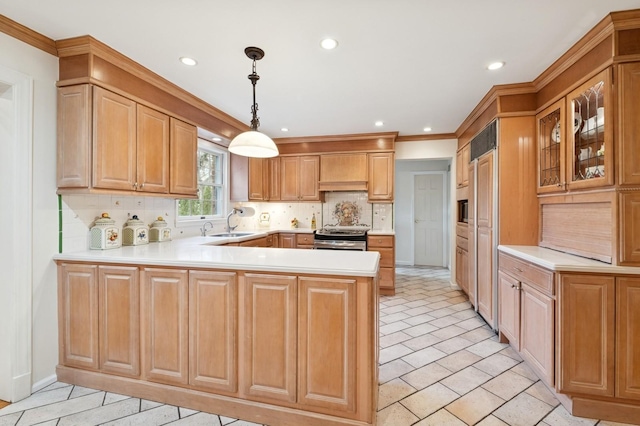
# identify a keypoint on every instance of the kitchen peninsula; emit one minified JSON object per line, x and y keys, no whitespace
{"x":270,"y":335}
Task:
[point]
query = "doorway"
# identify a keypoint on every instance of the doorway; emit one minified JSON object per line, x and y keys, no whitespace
{"x":429,"y":214}
{"x":16,"y":258}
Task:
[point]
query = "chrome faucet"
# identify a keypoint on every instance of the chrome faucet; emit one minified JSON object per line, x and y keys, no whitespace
{"x":203,"y":230}
{"x":231,"y":213}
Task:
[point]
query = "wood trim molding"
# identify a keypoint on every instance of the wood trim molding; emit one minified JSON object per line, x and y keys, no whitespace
{"x":421,"y":138}
{"x":363,"y":142}
{"x":27,"y":35}
{"x":338,"y":138}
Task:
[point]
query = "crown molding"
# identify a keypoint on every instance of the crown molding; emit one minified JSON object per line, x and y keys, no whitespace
{"x":27,"y":35}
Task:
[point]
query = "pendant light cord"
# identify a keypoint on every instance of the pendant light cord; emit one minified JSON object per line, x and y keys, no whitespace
{"x":254,"y":77}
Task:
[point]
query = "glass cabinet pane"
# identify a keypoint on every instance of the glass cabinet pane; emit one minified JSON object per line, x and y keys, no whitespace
{"x":549,"y":138}
{"x":588,"y":133}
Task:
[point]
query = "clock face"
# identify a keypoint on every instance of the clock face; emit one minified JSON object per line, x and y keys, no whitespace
{"x":555,"y":133}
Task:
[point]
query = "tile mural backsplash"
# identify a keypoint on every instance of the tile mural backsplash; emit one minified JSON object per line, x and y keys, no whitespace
{"x":80,"y":211}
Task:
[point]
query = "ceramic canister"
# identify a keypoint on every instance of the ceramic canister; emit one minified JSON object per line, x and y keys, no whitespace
{"x":135,"y":232}
{"x":104,"y":234}
{"x":159,"y":230}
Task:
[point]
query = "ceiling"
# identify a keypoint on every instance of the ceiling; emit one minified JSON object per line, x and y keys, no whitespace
{"x":409,"y":63}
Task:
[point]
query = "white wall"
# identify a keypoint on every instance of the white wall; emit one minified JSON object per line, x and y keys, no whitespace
{"x":426,"y":150}
{"x":43,"y":69}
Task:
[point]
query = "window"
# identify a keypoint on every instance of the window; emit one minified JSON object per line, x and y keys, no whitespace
{"x":212,"y":190}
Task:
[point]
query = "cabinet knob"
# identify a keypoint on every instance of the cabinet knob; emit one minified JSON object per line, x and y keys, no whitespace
{"x":517,"y":269}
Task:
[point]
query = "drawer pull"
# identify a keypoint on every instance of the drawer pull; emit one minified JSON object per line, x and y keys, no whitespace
{"x":518,"y":269}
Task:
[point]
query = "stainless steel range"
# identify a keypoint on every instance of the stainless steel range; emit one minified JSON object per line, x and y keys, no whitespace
{"x":333,"y":237}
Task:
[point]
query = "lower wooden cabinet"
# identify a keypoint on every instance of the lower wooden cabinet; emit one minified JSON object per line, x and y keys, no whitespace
{"x":287,"y":240}
{"x":462,"y":269}
{"x":484,"y":281}
{"x":628,"y":337}
{"x":385,"y":245}
{"x":269,"y":337}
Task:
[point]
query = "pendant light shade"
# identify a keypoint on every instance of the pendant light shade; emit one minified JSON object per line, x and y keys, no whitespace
{"x":253,"y":143}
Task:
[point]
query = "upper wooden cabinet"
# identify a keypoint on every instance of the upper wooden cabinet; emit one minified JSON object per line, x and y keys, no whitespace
{"x":628,"y":151}
{"x":343,"y":172}
{"x":551,"y":136}
{"x":264,"y":179}
{"x":132,"y":146}
{"x":462,"y":166}
{"x":381,"y":176}
{"x":299,"y":178}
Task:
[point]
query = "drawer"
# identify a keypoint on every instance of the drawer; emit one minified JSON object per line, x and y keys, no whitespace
{"x":387,"y":257}
{"x":380,"y":241}
{"x":533,"y":275}
{"x":463,"y":243}
{"x":257,"y":242}
{"x":387,"y":277}
{"x":462,"y":230}
{"x":304,"y":240}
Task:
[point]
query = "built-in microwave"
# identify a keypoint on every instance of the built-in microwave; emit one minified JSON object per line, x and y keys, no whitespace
{"x":463,"y":211}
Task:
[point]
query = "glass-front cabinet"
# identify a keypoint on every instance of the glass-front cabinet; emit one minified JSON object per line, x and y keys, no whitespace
{"x":550,"y":133}
{"x":575,"y":136}
{"x":590,"y":130}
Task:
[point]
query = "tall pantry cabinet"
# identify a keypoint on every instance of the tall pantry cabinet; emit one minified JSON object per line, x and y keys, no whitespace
{"x":502,"y":203}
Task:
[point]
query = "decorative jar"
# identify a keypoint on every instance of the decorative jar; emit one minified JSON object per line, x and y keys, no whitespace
{"x":104,"y":234}
{"x":135,"y":232}
{"x":159,"y":231}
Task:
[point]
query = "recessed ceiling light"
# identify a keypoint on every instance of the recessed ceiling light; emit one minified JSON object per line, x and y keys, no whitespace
{"x":216,"y":139}
{"x":188,"y":61}
{"x":329,"y":43}
{"x":495,"y":66}
{"x":284,"y":129}
{"x":427,"y":129}
{"x":379,"y":123}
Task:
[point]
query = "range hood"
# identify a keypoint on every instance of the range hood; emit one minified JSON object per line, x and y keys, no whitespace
{"x":343,"y":172}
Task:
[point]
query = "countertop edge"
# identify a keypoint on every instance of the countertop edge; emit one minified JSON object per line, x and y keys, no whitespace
{"x":563,"y":262}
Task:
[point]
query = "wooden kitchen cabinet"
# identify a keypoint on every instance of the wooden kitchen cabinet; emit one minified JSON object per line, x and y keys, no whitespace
{"x":78,"y":315}
{"x":381,"y":177}
{"x":287,"y":240}
{"x":299,"y":176}
{"x":164,"y":324}
{"x":586,"y":330}
{"x":484,"y":282}
{"x":629,"y":111}
{"x":304,"y":241}
{"x":327,"y":352}
{"x":119,"y":320}
{"x":213,"y":331}
{"x":344,"y":171}
{"x":462,"y":166}
{"x":385,"y":245}
{"x":258,"y":179}
{"x":509,"y":309}
{"x":107,"y":142}
{"x":270,"y":337}
{"x":462,"y":257}
{"x":551,"y":136}
{"x":627,"y":337}
{"x":183,"y":158}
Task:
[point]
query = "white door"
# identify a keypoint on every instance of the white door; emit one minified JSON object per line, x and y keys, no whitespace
{"x":429,"y":219}
{"x":15,"y":254}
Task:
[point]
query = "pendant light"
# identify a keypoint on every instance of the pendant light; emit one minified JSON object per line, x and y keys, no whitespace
{"x":254,"y":143}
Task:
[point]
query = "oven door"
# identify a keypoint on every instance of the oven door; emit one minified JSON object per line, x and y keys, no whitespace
{"x":340,"y":245}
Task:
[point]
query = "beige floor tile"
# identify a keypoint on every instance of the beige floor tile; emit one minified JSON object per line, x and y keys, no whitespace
{"x":393,"y":338}
{"x":396,"y":415}
{"x":393,"y":327}
{"x":393,"y":352}
{"x":561,"y":417}
{"x":445,"y":321}
{"x":496,"y":364}
{"x":422,"y":342}
{"x":461,"y":306}
{"x":392,"y":310}
{"x":449,"y":332}
{"x":540,"y":391}
{"x":511,"y":353}
{"x":466,"y":314}
{"x":393,"y":391}
{"x":426,"y":376}
{"x":417,"y":303}
{"x":424,"y":357}
{"x":398,"y":316}
{"x":452,"y":345}
{"x":420,"y":329}
{"x":459,"y":360}
{"x":429,"y":400}
{"x":474,"y":406}
{"x":419,"y":319}
{"x":418,"y":310}
{"x":486,"y":348}
{"x":491,"y":420}
{"x":523,"y":410}
{"x":393,"y":369}
{"x":524,"y":370}
{"x":441,"y":418}
{"x":478,"y":334}
{"x":466,"y":380}
{"x":470,"y":323}
{"x":439,"y":313}
{"x":507,"y":385}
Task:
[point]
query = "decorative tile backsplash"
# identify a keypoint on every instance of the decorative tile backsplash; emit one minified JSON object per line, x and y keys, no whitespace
{"x":80,"y":211}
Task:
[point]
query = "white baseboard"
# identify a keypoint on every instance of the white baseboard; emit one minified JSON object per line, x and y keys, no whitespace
{"x":44,"y":383}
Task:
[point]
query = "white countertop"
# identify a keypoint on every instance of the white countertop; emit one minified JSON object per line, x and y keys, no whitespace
{"x":564,"y":262}
{"x":204,"y":252}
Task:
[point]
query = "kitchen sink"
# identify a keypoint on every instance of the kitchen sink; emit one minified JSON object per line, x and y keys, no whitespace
{"x":232,"y":234}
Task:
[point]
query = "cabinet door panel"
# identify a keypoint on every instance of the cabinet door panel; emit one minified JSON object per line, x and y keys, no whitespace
{"x":484,"y":192}
{"x":257,"y":175}
{"x":326,"y":328}
{"x":586,"y":334}
{"x":509,"y":308}
{"x":183,"y":158}
{"x":537,"y":332}
{"x":381,"y":175}
{"x":629,"y":230}
{"x":274,"y":179}
{"x":309,"y":175}
{"x":485,"y":273}
{"x":152,"y":150}
{"x":213,"y":330}
{"x":165,"y":325}
{"x":289,"y":178}
{"x":119,"y":320}
{"x":628,"y":336}
{"x":114,"y":140}
{"x":74,"y":132}
{"x":629,"y":89}
{"x":78,"y":315}
{"x":270,"y":337}
{"x":287,"y":241}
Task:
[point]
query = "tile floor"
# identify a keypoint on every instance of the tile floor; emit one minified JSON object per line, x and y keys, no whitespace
{"x":440,"y":364}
